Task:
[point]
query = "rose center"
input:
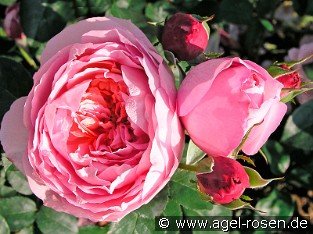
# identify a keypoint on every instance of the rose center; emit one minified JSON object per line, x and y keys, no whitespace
{"x":101,"y":119}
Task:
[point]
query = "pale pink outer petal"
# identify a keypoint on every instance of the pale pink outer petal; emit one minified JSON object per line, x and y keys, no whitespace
{"x":73,"y":34}
{"x":259,"y":134}
{"x":13,"y":133}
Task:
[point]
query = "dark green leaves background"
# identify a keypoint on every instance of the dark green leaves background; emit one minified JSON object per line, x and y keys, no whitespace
{"x":261,"y":36}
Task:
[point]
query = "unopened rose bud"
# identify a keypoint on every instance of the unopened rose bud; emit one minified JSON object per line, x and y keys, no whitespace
{"x":11,"y":24}
{"x":291,"y":80}
{"x":185,"y":36}
{"x":226,"y":182}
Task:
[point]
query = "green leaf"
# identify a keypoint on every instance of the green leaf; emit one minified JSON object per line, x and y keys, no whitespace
{"x":233,"y":13}
{"x":2,"y":177}
{"x":213,"y":55}
{"x":308,"y":69}
{"x":276,"y":71}
{"x":39,"y":20}
{"x":277,"y":157}
{"x":15,"y":82}
{"x":93,"y":229}
{"x":5,"y":162}
{"x":276,"y":204}
{"x":98,"y":7}
{"x":266,"y":7}
{"x":301,"y":176}
{"x":298,"y":131}
{"x":51,"y":221}
{"x":4,"y":227}
{"x":7,"y":3}
{"x":18,"y":211}
{"x":18,"y":181}
{"x":182,"y":188}
{"x":194,"y":153}
{"x":172,"y":209}
{"x":156,"y":206}
{"x":158,"y":11}
{"x":303,"y":7}
{"x":255,"y":179}
{"x":267,"y":25}
{"x":253,"y":37}
{"x":26,"y":230}
{"x":6,"y":191}
{"x":133,"y":223}
{"x":122,"y":9}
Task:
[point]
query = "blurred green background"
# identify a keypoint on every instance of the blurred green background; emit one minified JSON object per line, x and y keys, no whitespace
{"x":260,"y":30}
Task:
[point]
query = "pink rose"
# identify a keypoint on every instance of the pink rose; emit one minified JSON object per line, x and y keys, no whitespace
{"x":185,"y":36}
{"x":221,"y":99}
{"x":98,"y":135}
{"x":295,"y":54}
{"x":11,"y":23}
{"x":226,"y":182}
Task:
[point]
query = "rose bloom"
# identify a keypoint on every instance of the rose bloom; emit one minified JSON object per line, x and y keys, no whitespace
{"x":98,"y":135}
{"x":296,"y":54}
{"x":185,"y":36}
{"x":221,"y":99}
{"x":11,"y":23}
{"x":226,"y":182}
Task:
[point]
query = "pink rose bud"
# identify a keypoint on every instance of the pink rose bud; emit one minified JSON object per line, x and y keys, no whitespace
{"x":185,"y":36}
{"x":226,"y":182}
{"x":220,"y":100}
{"x":11,"y":24}
{"x":296,"y":54}
{"x":291,"y":80}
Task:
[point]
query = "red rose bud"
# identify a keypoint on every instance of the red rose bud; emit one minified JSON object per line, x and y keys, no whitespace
{"x":226,"y":182}
{"x":290,"y":80}
{"x":11,"y":23}
{"x":185,"y":36}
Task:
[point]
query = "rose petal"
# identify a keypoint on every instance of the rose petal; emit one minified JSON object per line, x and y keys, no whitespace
{"x":13,"y":133}
{"x":259,"y":134}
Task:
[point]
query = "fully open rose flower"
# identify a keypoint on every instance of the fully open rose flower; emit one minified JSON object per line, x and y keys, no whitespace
{"x":221,"y":99}
{"x":226,"y":182}
{"x":98,"y":136}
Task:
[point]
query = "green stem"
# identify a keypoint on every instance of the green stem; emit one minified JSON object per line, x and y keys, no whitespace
{"x":27,"y":57}
{"x":188,"y":167}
